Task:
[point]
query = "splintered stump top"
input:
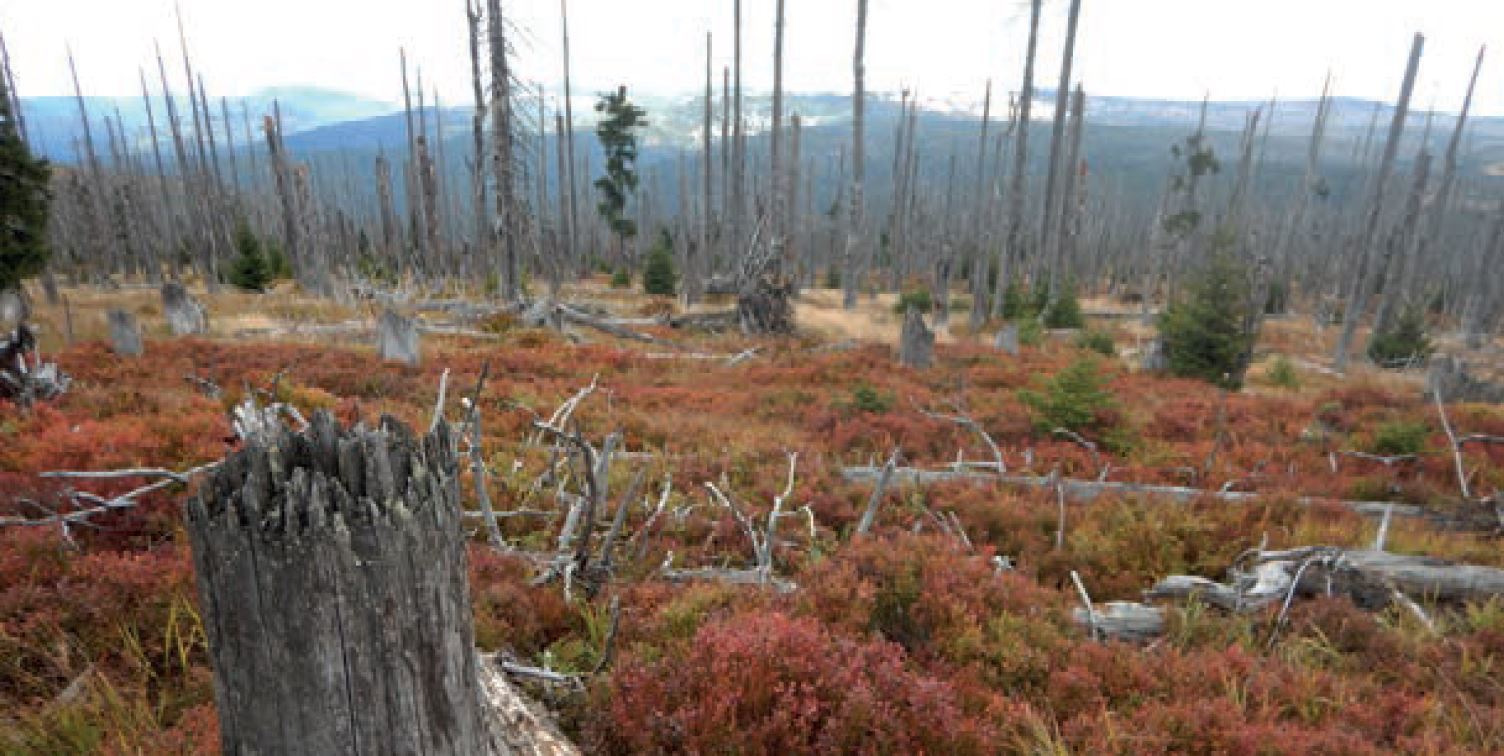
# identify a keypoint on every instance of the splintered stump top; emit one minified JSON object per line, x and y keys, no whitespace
{"x":331,"y":573}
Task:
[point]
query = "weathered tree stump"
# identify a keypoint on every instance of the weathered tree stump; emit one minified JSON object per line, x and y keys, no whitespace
{"x":397,"y":339}
{"x":12,"y":307}
{"x":125,"y":334}
{"x":185,"y":316}
{"x":1007,"y":339}
{"x":331,"y":576}
{"x":916,"y":346}
{"x":1449,"y":376}
{"x":763,"y":308}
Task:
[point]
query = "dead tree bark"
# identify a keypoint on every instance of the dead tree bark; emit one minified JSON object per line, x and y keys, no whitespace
{"x":694,"y":264}
{"x":916,"y":347}
{"x":855,"y":212}
{"x":390,"y":233}
{"x":739,"y":180}
{"x":507,"y":207}
{"x":1050,"y":240}
{"x":324,"y":633}
{"x":1357,"y":293}
{"x":480,"y":244}
{"x":1013,"y":241}
{"x":979,"y":232}
{"x":574,"y":215}
{"x":778,"y":206}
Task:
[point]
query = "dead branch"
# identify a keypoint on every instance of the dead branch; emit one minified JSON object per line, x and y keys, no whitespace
{"x":1446,"y":425}
{"x":959,"y":417}
{"x":875,"y":500}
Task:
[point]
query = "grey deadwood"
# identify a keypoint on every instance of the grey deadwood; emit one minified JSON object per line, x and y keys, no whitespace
{"x":331,"y":575}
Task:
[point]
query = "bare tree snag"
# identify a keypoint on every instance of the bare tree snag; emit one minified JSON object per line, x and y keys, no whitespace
{"x":850,"y":264}
{"x":1359,"y":284}
{"x":1013,"y":241}
{"x":331,"y":571}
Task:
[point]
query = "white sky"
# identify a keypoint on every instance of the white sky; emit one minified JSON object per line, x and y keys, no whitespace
{"x":1163,"y":48}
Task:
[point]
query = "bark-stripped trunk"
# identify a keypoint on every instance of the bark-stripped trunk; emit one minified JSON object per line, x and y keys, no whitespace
{"x":1050,"y":240}
{"x":574,"y":213}
{"x":390,"y":233}
{"x":778,"y":205}
{"x":1359,"y":284}
{"x":694,"y":265}
{"x":856,"y":210}
{"x":981,"y":197}
{"x":507,"y":208}
{"x":480,"y":249}
{"x":1013,"y":241}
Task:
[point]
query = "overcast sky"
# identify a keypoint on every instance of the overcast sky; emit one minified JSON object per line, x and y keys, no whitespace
{"x":1162,"y":48}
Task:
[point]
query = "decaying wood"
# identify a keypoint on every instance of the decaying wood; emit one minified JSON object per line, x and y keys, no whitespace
{"x":397,"y":339}
{"x":916,"y":347}
{"x":185,"y":316}
{"x":1371,"y":578}
{"x":1088,"y":490}
{"x":514,"y":724}
{"x":24,"y":376}
{"x":125,"y":334}
{"x":331,"y":571}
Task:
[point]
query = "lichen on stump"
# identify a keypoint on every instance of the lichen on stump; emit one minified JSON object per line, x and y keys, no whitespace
{"x":331,"y":574}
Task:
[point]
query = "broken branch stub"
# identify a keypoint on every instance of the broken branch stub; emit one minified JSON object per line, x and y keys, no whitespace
{"x":331,"y":570}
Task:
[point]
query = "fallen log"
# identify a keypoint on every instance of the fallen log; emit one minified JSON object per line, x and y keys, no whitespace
{"x":713,"y":322}
{"x":1370,"y":578}
{"x":571,"y":315}
{"x":1082,"y":491}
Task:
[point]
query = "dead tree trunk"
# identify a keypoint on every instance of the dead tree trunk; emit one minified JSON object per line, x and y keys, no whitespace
{"x":979,"y":233}
{"x":1357,"y":293}
{"x":331,"y":575}
{"x":779,"y":209}
{"x":694,"y":264}
{"x":480,"y":246}
{"x":854,"y":213}
{"x":1014,"y":238}
{"x":1049,"y":239}
{"x":507,"y":206}
{"x":916,"y":348}
{"x":574,"y":215}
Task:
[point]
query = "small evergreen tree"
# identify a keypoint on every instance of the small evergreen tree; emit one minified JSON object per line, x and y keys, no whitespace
{"x":251,"y":269}
{"x":658,"y":276}
{"x":1205,"y":330}
{"x":617,"y":133}
{"x":1075,"y":399}
{"x":1066,"y":313}
{"x":24,"y":198}
{"x":1403,"y":342}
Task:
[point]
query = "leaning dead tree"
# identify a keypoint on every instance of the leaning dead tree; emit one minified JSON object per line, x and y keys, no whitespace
{"x":1361,"y":281}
